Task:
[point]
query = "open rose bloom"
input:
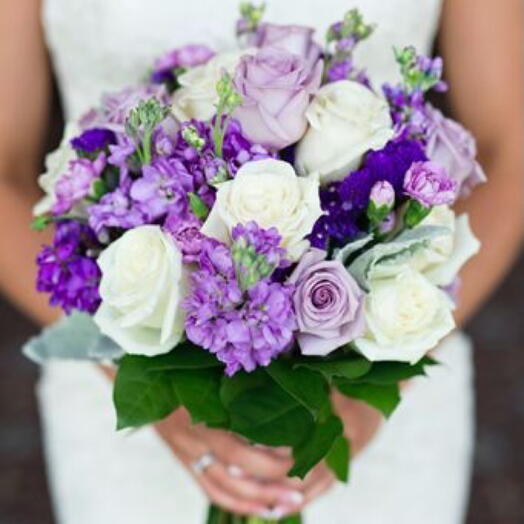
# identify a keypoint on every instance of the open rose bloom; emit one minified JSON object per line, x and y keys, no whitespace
{"x":250,"y":225}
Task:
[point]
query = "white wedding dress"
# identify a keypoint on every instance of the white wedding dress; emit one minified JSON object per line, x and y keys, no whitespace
{"x":416,"y":470}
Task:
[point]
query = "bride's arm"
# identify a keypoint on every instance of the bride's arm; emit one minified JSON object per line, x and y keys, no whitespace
{"x":24,"y":104}
{"x":483,"y":48}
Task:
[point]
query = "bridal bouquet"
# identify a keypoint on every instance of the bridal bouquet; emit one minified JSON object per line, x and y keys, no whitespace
{"x":246,"y":231}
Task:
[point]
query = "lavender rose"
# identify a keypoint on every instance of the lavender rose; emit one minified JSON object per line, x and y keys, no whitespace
{"x":429,"y":184}
{"x":328,"y":304}
{"x":276,"y":88}
{"x":295,"y":39}
{"x":451,"y":146}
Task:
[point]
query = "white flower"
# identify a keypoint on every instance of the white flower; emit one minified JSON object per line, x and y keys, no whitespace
{"x":142,"y":286}
{"x":270,"y":193}
{"x":56,"y":164}
{"x":442,"y":257}
{"x":406,"y":317}
{"x":346,"y":120}
{"x":197,"y":96}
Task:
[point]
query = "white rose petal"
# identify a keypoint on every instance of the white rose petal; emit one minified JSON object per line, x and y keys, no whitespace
{"x":197,"y":96}
{"x":270,"y":193}
{"x":143,"y":283}
{"x":406,"y":317}
{"x":346,"y":120}
{"x":56,"y":164}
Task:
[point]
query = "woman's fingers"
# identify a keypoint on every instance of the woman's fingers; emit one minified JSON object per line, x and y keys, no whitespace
{"x":253,"y":461}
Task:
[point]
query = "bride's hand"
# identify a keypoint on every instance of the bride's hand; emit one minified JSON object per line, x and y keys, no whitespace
{"x":242,"y":479}
{"x":361,"y":422}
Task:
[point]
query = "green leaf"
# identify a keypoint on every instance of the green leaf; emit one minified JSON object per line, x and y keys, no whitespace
{"x":339,"y":457}
{"x":385,"y":398}
{"x":185,"y":356}
{"x":198,"y":206}
{"x":141,"y":396}
{"x":351,"y":367}
{"x":316,"y":446}
{"x":263,"y":412}
{"x":198,"y":390}
{"x":307,"y":387}
{"x":394,"y":372}
{"x":40,"y":223}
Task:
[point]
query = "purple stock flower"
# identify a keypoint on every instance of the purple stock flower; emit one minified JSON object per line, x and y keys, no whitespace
{"x":67,"y":272}
{"x":345,"y":202}
{"x":163,"y":187}
{"x":430,"y":184}
{"x":93,"y":140}
{"x":120,"y":153}
{"x":183,"y":57}
{"x":77,"y":183}
{"x":244,"y":329}
{"x":453,"y":147}
{"x":185,"y":231}
{"x":328,"y":304}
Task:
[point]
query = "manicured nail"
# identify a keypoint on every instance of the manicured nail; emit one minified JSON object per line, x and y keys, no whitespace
{"x":293,"y":497}
{"x":275,"y":513}
{"x":235,"y":471}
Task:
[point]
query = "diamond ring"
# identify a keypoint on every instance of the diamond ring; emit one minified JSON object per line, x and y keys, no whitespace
{"x":204,"y":462}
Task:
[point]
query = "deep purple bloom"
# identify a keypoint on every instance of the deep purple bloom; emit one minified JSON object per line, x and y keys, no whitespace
{"x":93,"y":140}
{"x":77,"y":183}
{"x":67,"y":272}
{"x":244,"y":329}
{"x":163,"y":187}
{"x":345,"y":203}
{"x":430,"y":184}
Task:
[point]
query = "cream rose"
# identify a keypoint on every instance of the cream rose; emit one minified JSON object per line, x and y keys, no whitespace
{"x":56,"y":164}
{"x":441,"y":259}
{"x":197,"y":95}
{"x":406,"y":317}
{"x":346,"y":120}
{"x":142,"y":285}
{"x":270,"y":193}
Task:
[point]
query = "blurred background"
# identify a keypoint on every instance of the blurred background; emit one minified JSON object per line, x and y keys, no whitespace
{"x":497,"y":493}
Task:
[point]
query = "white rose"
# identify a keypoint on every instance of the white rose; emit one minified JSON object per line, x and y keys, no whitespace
{"x":270,"y":193}
{"x":142,"y":285}
{"x":406,"y":317}
{"x":56,"y":164}
{"x":346,"y":121}
{"x":197,"y":96}
{"x":441,"y":259}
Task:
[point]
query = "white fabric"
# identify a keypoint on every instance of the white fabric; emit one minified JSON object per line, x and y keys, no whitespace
{"x":416,"y":470}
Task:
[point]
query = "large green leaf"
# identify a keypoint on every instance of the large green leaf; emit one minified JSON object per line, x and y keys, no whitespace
{"x":141,"y":396}
{"x":263,"y":412}
{"x":339,"y":457}
{"x":385,"y":398}
{"x":307,"y":387}
{"x":185,"y":356}
{"x":350,"y":367}
{"x":199,"y":391}
{"x":315,"y":447}
{"x":394,"y":372}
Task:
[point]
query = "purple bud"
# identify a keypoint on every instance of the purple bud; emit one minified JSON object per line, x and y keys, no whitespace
{"x":388,"y":224}
{"x":430,"y":184}
{"x":383,"y":194}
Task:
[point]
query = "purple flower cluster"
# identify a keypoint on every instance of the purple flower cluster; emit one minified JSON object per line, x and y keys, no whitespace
{"x":345,"y":203}
{"x":245,"y":329}
{"x":67,"y":272}
{"x":181,"y":58}
{"x":93,"y":140}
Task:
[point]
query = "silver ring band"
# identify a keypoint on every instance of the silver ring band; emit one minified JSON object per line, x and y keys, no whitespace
{"x":200,"y":465}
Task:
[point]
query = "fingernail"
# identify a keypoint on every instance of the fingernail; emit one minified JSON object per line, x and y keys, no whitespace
{"x":274,"y":514}
{"x":293,"y":497}
{"x":235,"y":471}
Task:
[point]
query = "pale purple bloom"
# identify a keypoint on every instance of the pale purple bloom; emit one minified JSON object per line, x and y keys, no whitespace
{"x":388,"y":224}
{"x":328,"y":304}
{"x":183,"y":57}
{"x":77,"y":183}
{"x":163,"y":187}
{"x":382,"y":194}
{"x":453,"y":147}
{"x":276,"y":88}
{"x":430,"y":184}
{"x":294,"y":39}
{"x":185,"y":231}
{"x":120,"y":153}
